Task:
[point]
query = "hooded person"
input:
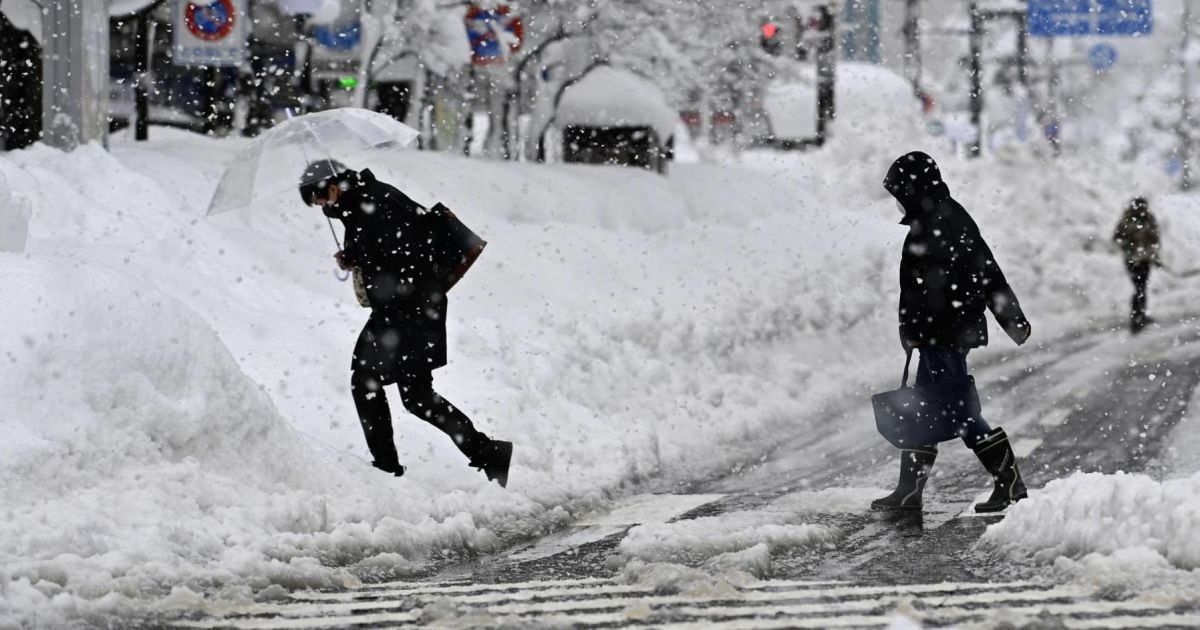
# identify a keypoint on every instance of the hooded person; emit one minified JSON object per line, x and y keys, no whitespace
{"x":398,"y":248}
{"x":948,"y":278}
{"x":1138,"y":237}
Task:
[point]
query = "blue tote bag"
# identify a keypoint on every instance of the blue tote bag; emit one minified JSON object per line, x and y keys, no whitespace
{"x":928,"y":413}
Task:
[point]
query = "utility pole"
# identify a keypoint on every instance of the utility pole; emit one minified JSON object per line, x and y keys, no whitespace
{"x":975,"y":69}
{"x":141,"y":95}
{"x":75,"y":72}
{"x":826,"y":59}
{"x":1182,"y":130}
{"x":912,"y":44}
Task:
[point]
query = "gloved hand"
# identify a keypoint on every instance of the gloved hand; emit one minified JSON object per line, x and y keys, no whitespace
{"x":1020,"y":333}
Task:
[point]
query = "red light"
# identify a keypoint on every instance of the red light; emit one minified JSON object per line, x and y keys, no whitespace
{"x":769,"y":30}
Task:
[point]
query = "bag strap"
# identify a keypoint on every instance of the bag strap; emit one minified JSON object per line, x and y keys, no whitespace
{"x":907,"y":362}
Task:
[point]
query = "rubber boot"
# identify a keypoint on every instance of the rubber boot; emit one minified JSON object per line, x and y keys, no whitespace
{"x":996,"y":455}
{"x":392,"y":467}
{"x":493,"y":459}
{"x":915,"y":464}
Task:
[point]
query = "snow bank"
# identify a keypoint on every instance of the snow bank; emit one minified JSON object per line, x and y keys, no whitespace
{"x":1095,"y":513}
{"x":15,"y":211}
{"x":139,"y":458}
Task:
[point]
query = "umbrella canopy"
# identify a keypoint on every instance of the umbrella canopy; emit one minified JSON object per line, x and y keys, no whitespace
{"x":274,"y":162}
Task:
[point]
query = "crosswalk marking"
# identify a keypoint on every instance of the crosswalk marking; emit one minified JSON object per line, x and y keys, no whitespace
{"x":464,"y":586}
{"x":1173,"y":620}
{"x":847,"y":614}
{"x":763,"y":604}
{"x":768,"y":598}
{"x":558,"y":599}
{"x":497,"y":593}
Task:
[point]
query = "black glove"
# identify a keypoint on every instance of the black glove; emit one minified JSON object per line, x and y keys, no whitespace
{"x":1020,"y":332}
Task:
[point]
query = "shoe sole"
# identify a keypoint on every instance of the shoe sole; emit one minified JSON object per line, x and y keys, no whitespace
{"x":896,"y":508}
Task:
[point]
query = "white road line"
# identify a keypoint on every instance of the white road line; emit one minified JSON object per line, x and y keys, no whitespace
{"x":463,"y":590}
{"x":518,"y":603}
{"x":581,"y":591}
{"x":980,"y":498}
{"x":291,"y":622}
{"x":636,"y":510}
{"x":651,"y":509}
{"x":566,"y":541}
{"x":929,"y":602}
{"x":776,"y":617}
{"x":954,"y":605}
{"x":756,"y":597}
{"x":1158,"y":621}
{"x":425,"y":587}
{"x":1024,"y":446}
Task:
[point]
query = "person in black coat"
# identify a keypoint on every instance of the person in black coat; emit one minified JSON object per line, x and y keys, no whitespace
{"x":948,"y":277}
{"x":398,"y":248}
{"x":1138,"y":236}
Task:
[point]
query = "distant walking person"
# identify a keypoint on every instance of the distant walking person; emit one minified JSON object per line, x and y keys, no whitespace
{"x":948,"y":276}
{"x":1137,"y":235}
{"x":407,"y":262}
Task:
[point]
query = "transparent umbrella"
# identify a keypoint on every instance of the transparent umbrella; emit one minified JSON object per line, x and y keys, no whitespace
{"x":273,"y":163}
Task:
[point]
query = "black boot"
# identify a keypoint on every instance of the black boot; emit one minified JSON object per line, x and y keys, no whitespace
{"x":915,"y":464}
{"x":393,"y":467}
{"x":996,"y":455}
{"x":493,"y":459}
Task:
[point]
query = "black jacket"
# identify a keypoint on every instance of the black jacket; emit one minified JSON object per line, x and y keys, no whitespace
{"x":391,"y":240}
{"x":948,"y":274}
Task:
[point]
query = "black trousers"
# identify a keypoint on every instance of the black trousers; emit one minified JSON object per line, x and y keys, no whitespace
{"x":940,"y":364}
{"x":416,"y":392}
{"x":1140,"y":274}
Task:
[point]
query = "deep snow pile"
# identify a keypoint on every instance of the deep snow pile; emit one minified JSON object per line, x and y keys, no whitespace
{"x":1118,"y":532}
{"x":183,"y":407}
{"x":1091,"y":512}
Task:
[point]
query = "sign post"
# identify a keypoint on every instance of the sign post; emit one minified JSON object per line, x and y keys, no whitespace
{"x":75,"y":72}
{"x":210,"y":33}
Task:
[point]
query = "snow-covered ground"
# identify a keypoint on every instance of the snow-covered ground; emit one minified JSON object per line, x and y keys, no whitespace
{"x":176,"y":415}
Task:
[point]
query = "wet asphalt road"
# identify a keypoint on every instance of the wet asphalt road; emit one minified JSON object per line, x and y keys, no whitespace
{"x":1097,"y":401}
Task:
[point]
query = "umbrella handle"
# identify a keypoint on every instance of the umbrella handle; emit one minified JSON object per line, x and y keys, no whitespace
{"x":342,"y":276}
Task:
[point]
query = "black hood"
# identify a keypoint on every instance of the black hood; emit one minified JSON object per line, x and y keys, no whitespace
{"x":915,"y":181}
{"x":353,"y":185}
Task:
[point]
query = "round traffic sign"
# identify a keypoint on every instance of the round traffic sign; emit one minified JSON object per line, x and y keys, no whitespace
{"x":210,"y":20}
{"x":1102,"y":57}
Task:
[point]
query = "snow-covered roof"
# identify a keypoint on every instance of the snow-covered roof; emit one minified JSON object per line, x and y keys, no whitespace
{"x":612,"y":97}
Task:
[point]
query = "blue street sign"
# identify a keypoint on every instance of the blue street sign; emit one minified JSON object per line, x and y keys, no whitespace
{"x":1066,"y":18}
{"x":344,"y":36}
{"x":1102,"y":57}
